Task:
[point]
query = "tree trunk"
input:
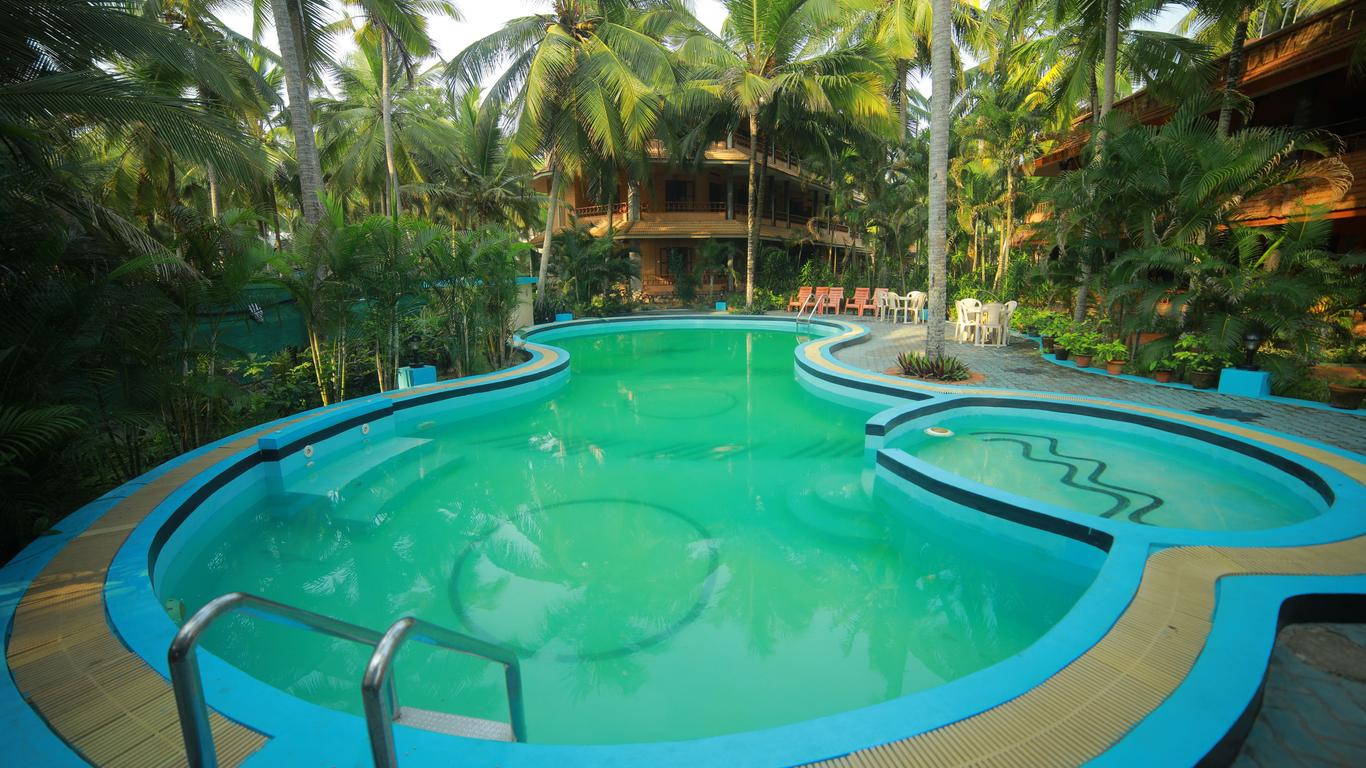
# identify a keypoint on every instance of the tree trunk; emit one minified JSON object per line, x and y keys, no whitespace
{"x":1079,"y":305}
{"x":289,"y":28}
{"x":1004,"y":261}
{"x":1095,"y":100}
{"x":1111,"y":53}
{"x":1233,"y":72}
{"x":386,"y":107}
{"x":752,"y":215}
{"x":551,"y":207}
{"x":903,"y":96}
{"x":940,"y":62}
{"x":213,"y":190}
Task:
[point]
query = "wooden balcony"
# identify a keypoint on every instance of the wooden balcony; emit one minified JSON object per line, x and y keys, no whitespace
{"x":693,"y":220}
{"x":1316,"y":45}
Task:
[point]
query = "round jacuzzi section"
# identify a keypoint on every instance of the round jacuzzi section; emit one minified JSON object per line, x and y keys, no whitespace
{"x":1127,"y":468}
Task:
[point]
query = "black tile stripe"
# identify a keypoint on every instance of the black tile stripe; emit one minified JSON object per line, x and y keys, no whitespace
{"x":996,"y":508}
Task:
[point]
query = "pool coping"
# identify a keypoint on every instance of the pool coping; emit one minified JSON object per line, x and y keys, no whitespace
{"x":1099,"y":616}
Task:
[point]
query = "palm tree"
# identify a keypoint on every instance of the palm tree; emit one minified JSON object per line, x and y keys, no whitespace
{"x":940,"y":41}
{"x":361,"y":152}
{"x":903,"y":27}
{"x":55,"y":82}
{"x":468,"y":170}
{"x":775,"y":51}
{"x":303,"y":47}
{"x":586,"y":79}
{"x":398,"y":29}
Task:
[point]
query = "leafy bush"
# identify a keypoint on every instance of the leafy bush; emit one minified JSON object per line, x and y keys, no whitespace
{"x":1079,"y":340}
{"x":940,"y":369}
{"x":1112,"y":350}
{"x":1196,"y":354}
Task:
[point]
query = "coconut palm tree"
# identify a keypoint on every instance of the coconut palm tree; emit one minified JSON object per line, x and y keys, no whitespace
{"x":397,"y":29}
{"x":585,"y":79}
{"x":775,"y":51}
{"x":301,"y":28}
{"x":940,"y":62}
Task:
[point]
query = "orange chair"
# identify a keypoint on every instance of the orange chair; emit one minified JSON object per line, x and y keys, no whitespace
{"x":861,"y":301}
{"x":822,"y":296}
{"x":834,"y":302}
{"x":796,"y":302}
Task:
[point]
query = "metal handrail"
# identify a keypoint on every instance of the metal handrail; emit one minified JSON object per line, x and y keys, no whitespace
{"x":185,"y":678}
{"x":381,"y":699}
{"x":809,"y":297}
{"x":810,"y":319}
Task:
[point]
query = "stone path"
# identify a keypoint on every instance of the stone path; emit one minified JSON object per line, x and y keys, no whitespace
{"x":1314,"y":713}
{"x":1020,"y":366}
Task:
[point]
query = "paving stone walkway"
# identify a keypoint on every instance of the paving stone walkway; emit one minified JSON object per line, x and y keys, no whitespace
{"x":1314,"y":712}
{"x":1020,"y":366}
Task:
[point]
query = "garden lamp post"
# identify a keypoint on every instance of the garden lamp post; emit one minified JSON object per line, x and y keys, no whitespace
{"x":1251,"y":341}
{"x":413,"y":342}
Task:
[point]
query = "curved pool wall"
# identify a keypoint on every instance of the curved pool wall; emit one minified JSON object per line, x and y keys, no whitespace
{"x":1192,"y":721}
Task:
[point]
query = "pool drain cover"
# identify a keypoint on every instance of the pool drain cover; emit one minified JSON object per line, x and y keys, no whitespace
{"x":939,"y":432}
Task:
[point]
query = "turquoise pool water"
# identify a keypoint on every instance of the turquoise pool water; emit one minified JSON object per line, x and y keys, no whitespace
{"x":681,"y":542}
{"x":1121,"y":471}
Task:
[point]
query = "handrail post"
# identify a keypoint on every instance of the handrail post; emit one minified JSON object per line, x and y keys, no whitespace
{"x":190,"y":706}
{"x":516,"y":714}
{"x":379,"y":696}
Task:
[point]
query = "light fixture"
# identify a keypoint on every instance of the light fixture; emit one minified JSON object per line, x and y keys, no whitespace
{"x":939,"y":432}
{"x":413,"y":343}
{"x":1251,"y":341}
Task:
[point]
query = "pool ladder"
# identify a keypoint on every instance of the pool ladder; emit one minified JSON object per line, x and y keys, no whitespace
{"x":815,"y":300}
{"x":378,"y":691}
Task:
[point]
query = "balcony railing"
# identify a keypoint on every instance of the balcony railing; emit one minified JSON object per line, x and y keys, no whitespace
{"x":690,"y":205}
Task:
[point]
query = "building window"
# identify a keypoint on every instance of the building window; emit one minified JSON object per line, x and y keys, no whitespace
{"x":678,"y":195}
{"x":670,"y":260}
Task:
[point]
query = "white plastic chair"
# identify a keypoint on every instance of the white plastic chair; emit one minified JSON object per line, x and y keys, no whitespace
{"x":991,"y":324}
{"x":917,"y":303}
{"x":969,"y":315}
{"x":889,"y":302}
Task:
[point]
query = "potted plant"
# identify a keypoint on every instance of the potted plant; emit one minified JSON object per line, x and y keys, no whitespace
{"x":1081,"y":344}
{"x":1050,"y":328}
{"x":1346,"y":393}
{"x":1115,"y":355}
{"x":1201,"y":363}
{"x":1162,"y":369}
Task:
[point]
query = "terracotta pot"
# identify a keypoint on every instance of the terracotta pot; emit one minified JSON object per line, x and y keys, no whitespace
{"x":1060,"y":353}
{"x":1083,"y":361}
{"x":1162,"y":377}
{"x":1346,"y":398}
{"x":1115,"y":367}
{"x":1204,"y":379}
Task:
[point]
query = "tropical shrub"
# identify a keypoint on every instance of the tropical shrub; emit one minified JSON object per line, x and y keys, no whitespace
{"x":935,"y":369}
{"x":1195,"y":353}
{"x":1111,"y":351}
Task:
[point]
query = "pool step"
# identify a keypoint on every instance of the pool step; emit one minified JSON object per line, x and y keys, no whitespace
{"x":454,"y":725}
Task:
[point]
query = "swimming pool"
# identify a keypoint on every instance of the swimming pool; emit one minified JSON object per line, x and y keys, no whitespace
{"x":1148,"y":639}
{"x":681,"y":542}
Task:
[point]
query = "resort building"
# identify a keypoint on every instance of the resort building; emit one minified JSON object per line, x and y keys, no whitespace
{"x":1299,"y":76}
{"x":664,"y":219}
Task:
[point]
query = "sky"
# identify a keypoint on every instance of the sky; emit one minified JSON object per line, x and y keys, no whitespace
{"x":482,"y":17}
